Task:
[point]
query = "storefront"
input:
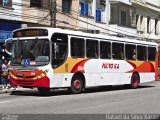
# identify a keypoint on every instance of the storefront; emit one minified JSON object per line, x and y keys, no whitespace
{"x":6,"y":28}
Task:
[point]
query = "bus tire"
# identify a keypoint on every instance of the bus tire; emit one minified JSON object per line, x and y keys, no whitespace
{"x":135,"y":80}
{"x":77,"y":84}
{"x":43,"y":91}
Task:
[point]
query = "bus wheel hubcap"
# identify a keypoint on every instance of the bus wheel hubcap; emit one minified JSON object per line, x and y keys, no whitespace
{"x":76,"y":84}
{"x":135,"y":81}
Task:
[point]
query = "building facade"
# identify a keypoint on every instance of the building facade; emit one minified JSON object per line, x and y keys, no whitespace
{"x":36,"y":13}
{"x":10,"y":17}
{"x":85,"y":15}
{"x":123,"y":18}
{"x":148,"y":19}
{"x":133,"y":18}
{"x":136,"y":18}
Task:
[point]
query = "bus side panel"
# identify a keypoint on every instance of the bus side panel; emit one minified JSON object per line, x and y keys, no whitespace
{"x":107,"y":66}
{"x":107,"y":72}
{"x":107,"y":79}
{"x":146,"y":77}
{"x":99,"y":72}
{"x":57,"y":80}
{"x":61,"y":80}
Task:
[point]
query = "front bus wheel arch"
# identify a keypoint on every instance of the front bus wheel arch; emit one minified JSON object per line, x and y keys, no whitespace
{"x":77,"y":83}
{"x":135,"y":80}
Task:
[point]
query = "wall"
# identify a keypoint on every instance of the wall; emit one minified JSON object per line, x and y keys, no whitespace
{"x":39,"y":16}
{"x":65,"y":20}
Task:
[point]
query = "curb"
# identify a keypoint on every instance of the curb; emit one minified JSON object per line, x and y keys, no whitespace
{"x":2,"y":91}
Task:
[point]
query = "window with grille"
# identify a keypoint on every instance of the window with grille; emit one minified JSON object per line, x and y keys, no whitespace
{"x":84,"y":8}
{"x":148,"y":25}
{"x":123,"y":18}
{"x":6,"y":3}
{"x":156,"y":27}
{"x":35,"y":3}
{"x":66,"y":6}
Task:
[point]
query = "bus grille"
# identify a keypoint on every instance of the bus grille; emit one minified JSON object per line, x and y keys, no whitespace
{"x":25,"y":76}
{"x":25,"y":82}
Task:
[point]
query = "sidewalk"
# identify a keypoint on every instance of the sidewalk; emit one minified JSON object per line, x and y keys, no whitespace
{"x":2,"y":91}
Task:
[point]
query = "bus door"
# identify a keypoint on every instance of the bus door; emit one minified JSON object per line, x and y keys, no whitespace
{"x":59,"y":49}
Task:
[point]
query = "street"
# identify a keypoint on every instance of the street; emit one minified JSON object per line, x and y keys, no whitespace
{"x":116,"y":99}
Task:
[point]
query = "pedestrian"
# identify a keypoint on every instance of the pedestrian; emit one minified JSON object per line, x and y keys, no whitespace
{"x":1,"y":62}
{"x":4,"y":75}
{"x":12,"y":86}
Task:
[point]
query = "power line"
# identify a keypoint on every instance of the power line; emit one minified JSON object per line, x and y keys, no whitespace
{"x":93,"y":24}
{"x":93,"y":21}
{"x":99,"y":26}
{"x":16,"y":14}
{"x":43,"y":18}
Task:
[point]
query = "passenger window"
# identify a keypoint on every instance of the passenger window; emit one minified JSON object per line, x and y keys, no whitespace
{"x":141,"y":52}
{"x":77,"y":47}
{"x":118,"y":51}
{"x":130,"y":52}
{"x":105,"y":50}
{"x":151,"y":53}
{"x":92,"y":48}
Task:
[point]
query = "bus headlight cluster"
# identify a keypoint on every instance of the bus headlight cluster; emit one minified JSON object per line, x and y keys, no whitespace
{"x":41,"y":75}
{"x":44,"y":73}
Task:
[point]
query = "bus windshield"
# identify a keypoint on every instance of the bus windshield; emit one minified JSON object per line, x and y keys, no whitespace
{"x":35,"y":50}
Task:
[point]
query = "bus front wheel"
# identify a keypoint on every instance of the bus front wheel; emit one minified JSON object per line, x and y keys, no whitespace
{"x":135,"y":81}
{"x":77,"y":84}
{"x":43,"y":90}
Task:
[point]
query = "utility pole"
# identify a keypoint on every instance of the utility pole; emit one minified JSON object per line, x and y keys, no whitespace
{"x":53,"y":11}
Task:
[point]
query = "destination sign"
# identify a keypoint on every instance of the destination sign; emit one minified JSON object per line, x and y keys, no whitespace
{"x":30,"y":33}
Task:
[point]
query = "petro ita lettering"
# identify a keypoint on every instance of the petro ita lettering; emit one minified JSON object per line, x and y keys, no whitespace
{"x":110,"y":66}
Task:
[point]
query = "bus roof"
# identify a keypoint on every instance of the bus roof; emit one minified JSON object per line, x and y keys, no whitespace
{"x":90,"y":35}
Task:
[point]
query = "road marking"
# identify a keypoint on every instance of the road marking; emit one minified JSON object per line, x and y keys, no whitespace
{"x":4,"y":102}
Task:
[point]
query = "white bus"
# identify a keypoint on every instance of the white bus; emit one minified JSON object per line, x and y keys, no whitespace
{"x":49,"y":58}
{"x":8,"y":46}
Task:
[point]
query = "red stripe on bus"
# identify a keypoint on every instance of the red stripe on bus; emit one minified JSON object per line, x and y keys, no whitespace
{"x":42,"y":82}
{"x":133,"y":65}
{"x":79,"y":64}
{"x":144,"y":67}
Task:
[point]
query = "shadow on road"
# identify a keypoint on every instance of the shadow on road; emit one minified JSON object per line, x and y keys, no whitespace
{"x":115,"y":88}
{"x":59,"y":92}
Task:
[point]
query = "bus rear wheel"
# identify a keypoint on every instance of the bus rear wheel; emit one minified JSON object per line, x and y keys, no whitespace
{"x":43,"y":90}
{"x":135,"y":81}
{"x":77,"y":84}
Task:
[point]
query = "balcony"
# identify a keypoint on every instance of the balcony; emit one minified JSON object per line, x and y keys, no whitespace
{"x":128,"y":2}
{"x":123,"y":15}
